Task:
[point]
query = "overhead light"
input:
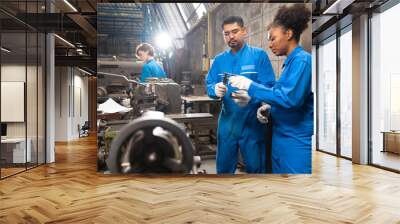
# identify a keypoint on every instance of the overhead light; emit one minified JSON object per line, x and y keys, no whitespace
{"x":65,"y":41}
{"x":71,"y":6}
{"x":163,"y":40}
{"x":79,"y":44}
{"x":86,"y":72}
{"x":5,"y":50}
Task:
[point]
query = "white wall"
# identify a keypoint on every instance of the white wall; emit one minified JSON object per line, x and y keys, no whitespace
{"x":80,"y":110}
{"x":34,"y":124}
{"x":71,"y":87}
{"x":12,"y":73}
{"x":61,"y":103}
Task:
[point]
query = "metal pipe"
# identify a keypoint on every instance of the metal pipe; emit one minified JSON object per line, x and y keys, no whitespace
{"x":123,"y":77}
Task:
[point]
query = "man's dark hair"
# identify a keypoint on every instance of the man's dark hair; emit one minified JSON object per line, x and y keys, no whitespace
{"x":233,"y":19}
{"x":295,"y":17}
{"x":145,"y":47}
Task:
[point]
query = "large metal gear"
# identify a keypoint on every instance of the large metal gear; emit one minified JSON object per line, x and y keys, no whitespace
{"x":151,"y":144}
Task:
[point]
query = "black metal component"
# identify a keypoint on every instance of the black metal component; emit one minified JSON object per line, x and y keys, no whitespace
{"x":226,"y":77}
{"x":81,"y":61}
{"x":49,"y":22}
{"x":151,"y":144}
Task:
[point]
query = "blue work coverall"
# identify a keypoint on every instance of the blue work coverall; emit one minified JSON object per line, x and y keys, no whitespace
{"x":238,"y":127}
{"x":151,"y":69}
{"x":292,"y":111}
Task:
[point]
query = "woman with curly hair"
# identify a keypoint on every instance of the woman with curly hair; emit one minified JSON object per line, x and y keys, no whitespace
{"x":290,"y":100}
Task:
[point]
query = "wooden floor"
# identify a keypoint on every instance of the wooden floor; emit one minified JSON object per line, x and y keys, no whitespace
{"x":10,"y":171}
{"x":71,"y":191}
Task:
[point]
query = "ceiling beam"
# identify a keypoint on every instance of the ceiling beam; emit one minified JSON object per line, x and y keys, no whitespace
{"x":82,"y":61}
{"x":86,"y":26}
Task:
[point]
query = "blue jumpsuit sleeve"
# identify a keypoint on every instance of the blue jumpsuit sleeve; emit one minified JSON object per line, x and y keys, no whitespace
{"x":212,"y":79}
{"x":266,"y":75}
{"x":146,"y":73}
{"x":290,"y":91}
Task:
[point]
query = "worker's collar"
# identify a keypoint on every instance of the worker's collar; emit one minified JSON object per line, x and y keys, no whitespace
{"x":292,"y":54}
{"x":239,"y":52}
{"x":148,"y":61}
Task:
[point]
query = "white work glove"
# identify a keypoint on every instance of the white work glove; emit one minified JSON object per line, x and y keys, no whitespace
{"x":241,"y":97}
{"x":240,"y":82}
{"x":220,"y":89}
{"x":261,"y":118}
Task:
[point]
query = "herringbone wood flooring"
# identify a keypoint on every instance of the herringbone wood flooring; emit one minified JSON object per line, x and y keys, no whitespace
{"x":71,"y":191}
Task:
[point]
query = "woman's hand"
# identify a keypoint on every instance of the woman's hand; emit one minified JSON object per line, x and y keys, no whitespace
{"x":263,"y":113}
{"x":241,"y":97}
{"x":240,"y":82}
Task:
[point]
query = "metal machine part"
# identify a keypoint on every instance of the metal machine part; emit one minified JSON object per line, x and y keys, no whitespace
{"x":102,"y":152}
{"x":186,"y":88}
{"x":151,"y":144}
{"x":226,"y":77}
{"x":107,"y":131}
{"x":101,"y":91}
{"x":122,"y":77}
{"x":168,"y":97}
{"x":161,"y":94}
{"x":142,"y":99}
{"x":186,"y":83}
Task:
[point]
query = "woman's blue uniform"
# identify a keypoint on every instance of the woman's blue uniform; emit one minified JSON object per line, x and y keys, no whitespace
{"x":238,"y":127}
{"x":151,"y":69}
{"x":292,"y":111}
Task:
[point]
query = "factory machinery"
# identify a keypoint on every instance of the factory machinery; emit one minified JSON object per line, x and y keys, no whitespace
{"x":156,"y":94}
{"x":151,"y":144}
{"x":154,"y":136}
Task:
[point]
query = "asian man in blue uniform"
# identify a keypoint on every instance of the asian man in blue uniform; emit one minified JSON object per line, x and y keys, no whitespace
{"x":238,"y":127}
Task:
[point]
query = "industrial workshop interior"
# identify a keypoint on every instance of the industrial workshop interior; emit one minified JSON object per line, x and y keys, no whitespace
{"x":199,"y":112}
